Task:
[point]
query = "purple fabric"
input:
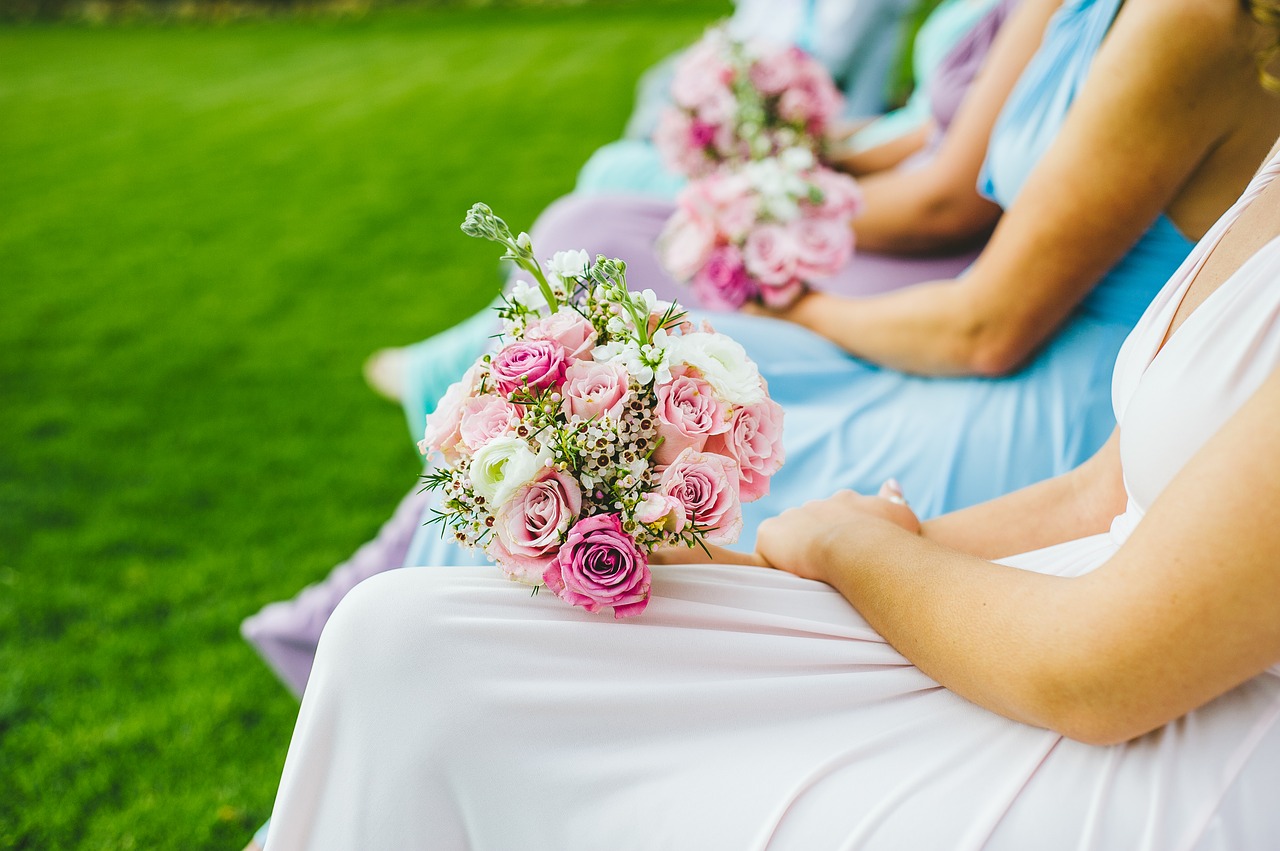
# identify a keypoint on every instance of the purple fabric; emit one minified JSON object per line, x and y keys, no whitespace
{"x":627,"y":226}
{"x":960,"y":67}
{"x":285,"y":634}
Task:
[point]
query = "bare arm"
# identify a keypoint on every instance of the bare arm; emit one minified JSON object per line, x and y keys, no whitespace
{"x":1166,"y":86}
{"x":1074,"y":505}
{"x":1183,"y":612}
{"x":937,"y":207}
{"x":886,"y":155}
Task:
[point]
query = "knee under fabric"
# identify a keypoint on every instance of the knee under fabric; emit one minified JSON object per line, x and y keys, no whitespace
{"x":438,"y":361}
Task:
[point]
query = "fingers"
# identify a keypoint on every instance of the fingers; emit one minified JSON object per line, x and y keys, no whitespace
{"x":892,"y":491}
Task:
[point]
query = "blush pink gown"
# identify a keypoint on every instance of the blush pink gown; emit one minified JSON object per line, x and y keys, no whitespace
{"x":749,"y":709}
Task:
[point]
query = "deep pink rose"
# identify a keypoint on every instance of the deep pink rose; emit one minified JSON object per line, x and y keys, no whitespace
{"x":770,"y":255}
{"x":592,"y":390}
{"x":701,"y":133}
{"x":685,"y":244}
{"x":598,"y":565}
{"x":442,"y":432}
{"x":723,"y":283}
{"x":754,"y":440}
{"x":687,"y":412}
{"x":535,"y":364}
{"x":573,"y":331}
{"x":706,"y":484}
{"x":484,"y":418}
{"x":824,"y":246}
{"x":529,"y":526}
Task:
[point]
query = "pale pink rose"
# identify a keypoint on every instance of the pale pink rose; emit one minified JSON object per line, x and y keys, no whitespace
{"x":824,"y":246}
{"x":484,"y":418}
{"x":687,"y":412}
{"x":774,"y":72}
{"x":783,"y":295}
{"x":598,"y":565}
{"x":533,"y":364}
{"x":727,"y":200}
{"x":442,"y":433}
{"x":840,"y":195}
{"x":770,"y":255}
{"x":754,"y":440}
{"x":723,"y":283}
{"x":706,"y":484}
{"x":672,"y":141}
{"x":700,"y":73}
{"x":529,"y":526}
{"x":573,"y":331}
{"x":592,"y":390}
{"x":796,"y":105}
{"x":658,"y":507}
{"x":685,"y":244}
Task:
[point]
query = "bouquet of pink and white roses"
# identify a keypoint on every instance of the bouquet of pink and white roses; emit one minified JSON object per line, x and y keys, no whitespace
{"x":736,"y":101}
{"x":604,"y":426}
{"x":762,"y":231}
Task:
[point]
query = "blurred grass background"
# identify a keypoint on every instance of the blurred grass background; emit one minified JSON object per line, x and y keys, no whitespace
{"x":203,"y":232}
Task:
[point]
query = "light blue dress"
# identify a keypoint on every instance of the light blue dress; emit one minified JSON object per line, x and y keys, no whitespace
{"x":633,"y":164}
{"x":953,"y":442}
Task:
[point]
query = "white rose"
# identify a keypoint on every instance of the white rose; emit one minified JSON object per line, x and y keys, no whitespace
{"x":501,"y":467}
{"x":722,"y":362}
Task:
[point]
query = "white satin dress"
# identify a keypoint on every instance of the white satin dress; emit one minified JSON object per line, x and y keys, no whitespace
{"x":749,"y":709}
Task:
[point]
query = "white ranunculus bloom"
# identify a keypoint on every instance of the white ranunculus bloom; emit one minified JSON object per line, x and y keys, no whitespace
{"x":722,"y":362}
{"x":569,"y":264}
{"x":501,"y":467}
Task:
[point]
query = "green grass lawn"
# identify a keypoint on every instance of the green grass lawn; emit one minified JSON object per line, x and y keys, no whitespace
{"x":203,"y":231}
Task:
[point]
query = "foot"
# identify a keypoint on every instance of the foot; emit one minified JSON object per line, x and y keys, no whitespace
{"x":384,"y":372}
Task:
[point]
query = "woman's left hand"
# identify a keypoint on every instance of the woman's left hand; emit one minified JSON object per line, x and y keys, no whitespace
{"x":801,"y":540}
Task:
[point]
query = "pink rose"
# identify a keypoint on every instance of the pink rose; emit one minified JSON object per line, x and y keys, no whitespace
{"x":824,"y":246}
{"x":754,"y":440}
{"x":573,"y":331}
{"x":726,"y":200}
{"x":770,"y":255}
{"x":774,"y":72}
{"x":533,"y":364}
{"x":529,"y":526}
{"x":672,"y":141}
{"x":840,"y":195}
{"x":798,"y":105}
{"x":688,"y":412}
{"x":782,"y":297}
{"x":706,"y":485}
{"x":598,"y":565}
{"x":484,"y":418}
{"x":442,"y":432}
{"x":700,"y":73}
{"x":658,"y":507}
{"x":723,"y":283}
{"x":685,"y":244}
{"x":593,"y":390}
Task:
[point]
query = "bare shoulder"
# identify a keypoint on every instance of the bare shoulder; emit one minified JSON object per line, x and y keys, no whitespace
{"x":1201,"y":35}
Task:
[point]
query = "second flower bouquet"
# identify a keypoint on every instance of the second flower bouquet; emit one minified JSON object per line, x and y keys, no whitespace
{"x":605,"y":425}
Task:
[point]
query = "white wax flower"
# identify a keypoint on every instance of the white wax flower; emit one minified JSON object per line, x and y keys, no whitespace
{"x":501,"y":467}
{"x":569,"y":264}
{"x":722,"y":362}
